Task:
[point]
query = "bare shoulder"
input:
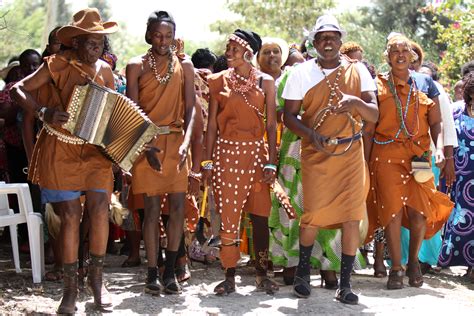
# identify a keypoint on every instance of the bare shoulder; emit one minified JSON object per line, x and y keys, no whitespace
{"x":187,"y":64}
{"x":136,"y":62}
{"x":266,"y":77}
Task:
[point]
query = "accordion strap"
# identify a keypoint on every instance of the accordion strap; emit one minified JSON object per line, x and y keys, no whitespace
{"x":65,"y":138}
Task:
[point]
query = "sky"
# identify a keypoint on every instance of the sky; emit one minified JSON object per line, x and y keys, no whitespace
{"x":192,"y":22}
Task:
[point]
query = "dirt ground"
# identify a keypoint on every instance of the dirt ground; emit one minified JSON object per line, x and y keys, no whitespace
{"x":444,"y":293}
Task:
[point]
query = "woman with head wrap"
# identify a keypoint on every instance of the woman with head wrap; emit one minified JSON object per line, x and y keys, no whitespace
{"x":236,"y":154}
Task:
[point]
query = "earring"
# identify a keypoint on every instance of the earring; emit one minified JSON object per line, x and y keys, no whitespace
{"x":248,"y":56}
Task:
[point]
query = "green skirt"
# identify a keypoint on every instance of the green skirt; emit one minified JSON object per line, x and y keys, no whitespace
{"x":284,"y":232}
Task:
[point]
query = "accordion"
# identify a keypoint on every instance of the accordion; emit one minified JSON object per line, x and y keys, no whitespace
{"x":103,"y":117}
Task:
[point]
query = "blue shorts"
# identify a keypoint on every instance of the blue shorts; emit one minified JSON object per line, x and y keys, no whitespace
{"x":53,"y":196}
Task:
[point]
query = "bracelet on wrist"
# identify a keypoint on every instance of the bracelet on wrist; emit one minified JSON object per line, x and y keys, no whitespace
{"x":195,"y":175}
{"x":207,"y":165}
{"x":205,"y":162}
{"x":40,"y":113}
{"x":449,"y":157}
{"x":270,"y":166}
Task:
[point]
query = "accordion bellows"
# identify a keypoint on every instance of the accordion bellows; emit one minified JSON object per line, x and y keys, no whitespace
{"x":103,"y":117}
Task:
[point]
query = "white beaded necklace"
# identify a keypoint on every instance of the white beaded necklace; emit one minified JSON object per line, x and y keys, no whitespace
{"x":242,"y":89}
{"x":334,"y":88}
{"x":152,"y":62}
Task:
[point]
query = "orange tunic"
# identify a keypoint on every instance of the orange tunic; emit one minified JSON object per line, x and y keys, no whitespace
{"x":334,"y":187}
{"x":164,"y":104}
{"x":392,"y":185}
{"x":239,"y":157}
{"x":57,"y":165}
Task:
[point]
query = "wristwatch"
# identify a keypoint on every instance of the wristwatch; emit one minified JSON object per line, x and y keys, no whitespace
{"x":41,"y":112}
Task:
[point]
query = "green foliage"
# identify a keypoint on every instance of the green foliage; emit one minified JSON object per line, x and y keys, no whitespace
{"x":409,"y":18}
{"x":458,"y":39}
{"x":64,"y":13}
{"x":103,"y":7}
{"x":366,"y":35}
{"x":21,"y":26}
{"x":285,"y":19}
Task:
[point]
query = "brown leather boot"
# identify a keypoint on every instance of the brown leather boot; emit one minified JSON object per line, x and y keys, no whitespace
{"x":70,"y":289}
{"x":102,"y":297}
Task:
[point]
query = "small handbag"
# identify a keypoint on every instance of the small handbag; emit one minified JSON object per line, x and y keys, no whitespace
{"x":421,"y":169}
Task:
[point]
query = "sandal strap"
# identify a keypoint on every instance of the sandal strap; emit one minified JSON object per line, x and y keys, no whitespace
{"x":226,"y":285}
{"x":268,"y":285}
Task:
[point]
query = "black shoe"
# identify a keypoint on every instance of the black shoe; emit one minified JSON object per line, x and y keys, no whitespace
{"x":346,"y":296}
{"x":153,"y":284}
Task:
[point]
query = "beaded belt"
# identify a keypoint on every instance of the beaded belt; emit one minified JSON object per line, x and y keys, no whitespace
{"x":165,"y":130}
{"x":69,"y":139}
{"x":338,"y":140}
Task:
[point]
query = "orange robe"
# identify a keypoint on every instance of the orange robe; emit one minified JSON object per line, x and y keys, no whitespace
{"x":164,"y":104}
{"x":392,"y":185}
{"x":334,"y":188}
{"x":57,"y":165}
{"x":239,"y":156}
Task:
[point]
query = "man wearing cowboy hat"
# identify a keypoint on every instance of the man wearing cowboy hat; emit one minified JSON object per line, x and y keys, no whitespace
{"x":63,"y":165}
{"x":336,"y":95}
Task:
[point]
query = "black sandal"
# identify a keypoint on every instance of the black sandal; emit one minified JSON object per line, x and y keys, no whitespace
{"x":225,"y":287}
{"x":346,"y":296}
{"x":303,"y":282}
{"x":172,"y":286}
{"x":267,"y":285}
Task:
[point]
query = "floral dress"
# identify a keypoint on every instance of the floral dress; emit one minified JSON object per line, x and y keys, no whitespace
{"x":458,"y":243}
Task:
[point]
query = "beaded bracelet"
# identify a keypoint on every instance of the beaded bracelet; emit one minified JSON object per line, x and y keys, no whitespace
{"x":450,"y":157}
{"x":207,"y":165}
{"x":270,"y":166}
{"x":195,"y":175}
{"x":205,"y":162}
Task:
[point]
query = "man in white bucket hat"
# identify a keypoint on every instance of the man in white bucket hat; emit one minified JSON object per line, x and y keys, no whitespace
{"x":336,"y":95}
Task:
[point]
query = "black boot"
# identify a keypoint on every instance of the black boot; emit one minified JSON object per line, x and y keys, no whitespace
{"x":102,"y":297}
{"x":153,"y":283}
{"x":70,"y":289}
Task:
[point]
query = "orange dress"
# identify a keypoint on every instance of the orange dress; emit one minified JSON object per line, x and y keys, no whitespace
{"x":334,"y":187}
{"x":57,"y":165}
{"x":164,"y":104}
{"x":239,"y":158}
{"x":392,"y":185}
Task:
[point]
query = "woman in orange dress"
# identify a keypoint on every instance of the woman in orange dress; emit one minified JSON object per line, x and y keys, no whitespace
{"x":398,"y":195}
{"x":241,"y":169}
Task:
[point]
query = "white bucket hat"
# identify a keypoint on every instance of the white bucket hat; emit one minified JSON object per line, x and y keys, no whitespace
{"x":326,"y":23}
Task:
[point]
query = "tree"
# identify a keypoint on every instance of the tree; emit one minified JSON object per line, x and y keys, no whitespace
{"x":458,"y":37}
{"x":285,"y":19}
{"x":103,"y":7}
{"x":21,"y":27}
{"x":366,"y":35}
{"x":407,"y":17}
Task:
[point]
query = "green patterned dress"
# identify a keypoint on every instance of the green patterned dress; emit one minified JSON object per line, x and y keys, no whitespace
{"x":284,"y":232}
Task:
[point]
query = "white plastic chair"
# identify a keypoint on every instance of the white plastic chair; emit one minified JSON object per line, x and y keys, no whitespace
{"x":33,"y":221}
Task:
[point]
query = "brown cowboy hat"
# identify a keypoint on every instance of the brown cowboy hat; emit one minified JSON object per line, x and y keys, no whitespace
{"x":86,"y":21}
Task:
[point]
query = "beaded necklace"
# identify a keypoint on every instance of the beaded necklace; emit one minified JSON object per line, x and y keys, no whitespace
{"x":403,"y":112}
{"x":334,"y":89}
{"x":152,"y":62}
{"x":248,"y":84}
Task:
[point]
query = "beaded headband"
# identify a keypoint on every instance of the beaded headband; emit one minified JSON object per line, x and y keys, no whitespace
{"x":240,"y":41}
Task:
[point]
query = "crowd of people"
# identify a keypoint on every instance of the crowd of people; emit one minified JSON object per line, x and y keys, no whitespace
{"x":303,"y":156}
